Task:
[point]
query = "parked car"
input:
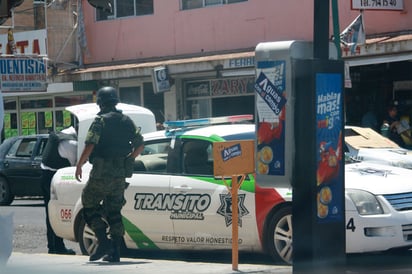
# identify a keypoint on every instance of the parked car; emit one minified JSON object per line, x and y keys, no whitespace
{"x":175,"y":202}
{"x":20,"y":157}
{"x":20,"y":171}
{"x":367,"y":145}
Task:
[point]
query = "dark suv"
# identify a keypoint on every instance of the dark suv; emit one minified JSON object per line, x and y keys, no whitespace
{"x":20,"y":171}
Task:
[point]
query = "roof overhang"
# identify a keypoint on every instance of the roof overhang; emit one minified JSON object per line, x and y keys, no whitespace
{"x":371,"y":60}
{"x":385,"y":49}
{"x":144,"y":69}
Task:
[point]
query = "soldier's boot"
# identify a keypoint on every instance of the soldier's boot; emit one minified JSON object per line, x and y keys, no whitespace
{"x":103,"y":246}
{"x":114,"y":254}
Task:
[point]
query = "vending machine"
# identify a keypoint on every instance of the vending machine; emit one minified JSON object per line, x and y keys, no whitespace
{"x":299,"y":142}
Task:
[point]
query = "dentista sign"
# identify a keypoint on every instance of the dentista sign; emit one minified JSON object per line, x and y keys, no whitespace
{"x":23,"y":74}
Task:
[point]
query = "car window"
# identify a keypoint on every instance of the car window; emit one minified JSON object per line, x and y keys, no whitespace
{"x":156,"y":147}
{"x":198,"y":157}
{"x":5,"y":146}
{"x":14,"y":147}
{"x":153,"y":159}
{"x":25,"y":149}
{"x":241,"y":136}
{"x":41,"y":147}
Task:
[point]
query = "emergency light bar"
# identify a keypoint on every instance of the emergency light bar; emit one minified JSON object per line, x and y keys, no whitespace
{"x":208,"y":121}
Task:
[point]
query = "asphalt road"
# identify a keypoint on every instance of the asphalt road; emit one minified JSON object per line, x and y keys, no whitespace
{"x":29,"y":220}
{"x":30,"y":237}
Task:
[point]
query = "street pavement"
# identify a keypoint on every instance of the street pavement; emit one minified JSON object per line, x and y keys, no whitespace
{"x":40,"y":263}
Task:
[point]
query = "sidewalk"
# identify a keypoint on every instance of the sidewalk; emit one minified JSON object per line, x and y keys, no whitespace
{"x":22,"y":263}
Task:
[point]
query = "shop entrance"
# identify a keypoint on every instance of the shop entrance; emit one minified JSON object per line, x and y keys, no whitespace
{"x":233,"y":106}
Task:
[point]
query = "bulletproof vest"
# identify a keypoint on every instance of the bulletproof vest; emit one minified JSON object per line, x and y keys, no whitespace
{"x":117,"y":132}
{"x":51,"y":156}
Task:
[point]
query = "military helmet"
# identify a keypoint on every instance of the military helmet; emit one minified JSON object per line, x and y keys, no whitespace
{"x":107,"y":96}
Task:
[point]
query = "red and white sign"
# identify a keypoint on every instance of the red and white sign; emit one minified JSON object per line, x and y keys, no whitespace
{"x":27,"y":43}
{"x":377,"y":4}
{"x":24,"y":69}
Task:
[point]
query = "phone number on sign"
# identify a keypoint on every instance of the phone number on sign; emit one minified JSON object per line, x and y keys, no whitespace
{"x":378,"y":4}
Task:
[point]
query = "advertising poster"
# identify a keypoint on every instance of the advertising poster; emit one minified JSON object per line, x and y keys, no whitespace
{"x":48,"y":119}
{"x":270,"y":107}
{"x":28,"y":122}
{"x":32,"y":120}
{"x":329,"y":174}
{"x":7,"y":125}
{"x":25,"y":120}
{"x":67,"y":119}
{"x":9,"y":131}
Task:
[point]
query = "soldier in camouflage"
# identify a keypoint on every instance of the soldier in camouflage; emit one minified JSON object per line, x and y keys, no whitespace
{"x":112,"y":143}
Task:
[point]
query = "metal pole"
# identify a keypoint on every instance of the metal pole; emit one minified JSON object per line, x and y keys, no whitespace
{"x":336,"y":28}
{"x":321,"y":29}
{"x":235,"y":229}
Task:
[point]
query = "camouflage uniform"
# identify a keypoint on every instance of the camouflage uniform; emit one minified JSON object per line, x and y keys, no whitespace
{"x":103,"y":195}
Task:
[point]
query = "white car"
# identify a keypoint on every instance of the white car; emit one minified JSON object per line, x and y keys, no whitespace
{"x":175,"y":202}
{"x":367,"y":145}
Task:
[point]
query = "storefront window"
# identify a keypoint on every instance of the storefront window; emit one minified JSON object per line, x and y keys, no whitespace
{"x":198,"y":109}
{"x":65,"y":101}
{"x":39,"y":116}
{"x":198,"y":89}
{"x":28,"y":123}
{"x":45,"y":121}
{"x":40,"y":103}
{"x":130,"y":95}
{"x":10,"y":125}
{"x":154,"y":101}
{"x":219,"y":97}
{"x":63,"y":119}
{"x":10,"y":104}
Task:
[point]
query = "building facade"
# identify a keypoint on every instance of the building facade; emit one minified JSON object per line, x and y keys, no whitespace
{"x":206,"y":48}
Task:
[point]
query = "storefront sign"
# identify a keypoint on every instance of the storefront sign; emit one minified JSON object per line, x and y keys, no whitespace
{"x":236,"y":86}
{"x":160,"y":79}
{"x":377,"y":4}
{"x":233,"y":158}
{"x":239,"y":62}
{"x":197,"y":89}
{"x":26,"y":42}
{"x":23,"y":74}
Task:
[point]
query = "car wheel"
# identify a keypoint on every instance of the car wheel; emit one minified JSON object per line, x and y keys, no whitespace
{"x":279,"y":235}
{"x":6,"y":197}
{"x":87,"y":238}
{"x":88,"y":241}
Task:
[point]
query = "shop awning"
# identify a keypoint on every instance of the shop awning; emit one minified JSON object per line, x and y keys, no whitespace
{"x":380,"y":59}
{"x":144,"y":69}
{"x":384,"y":49}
